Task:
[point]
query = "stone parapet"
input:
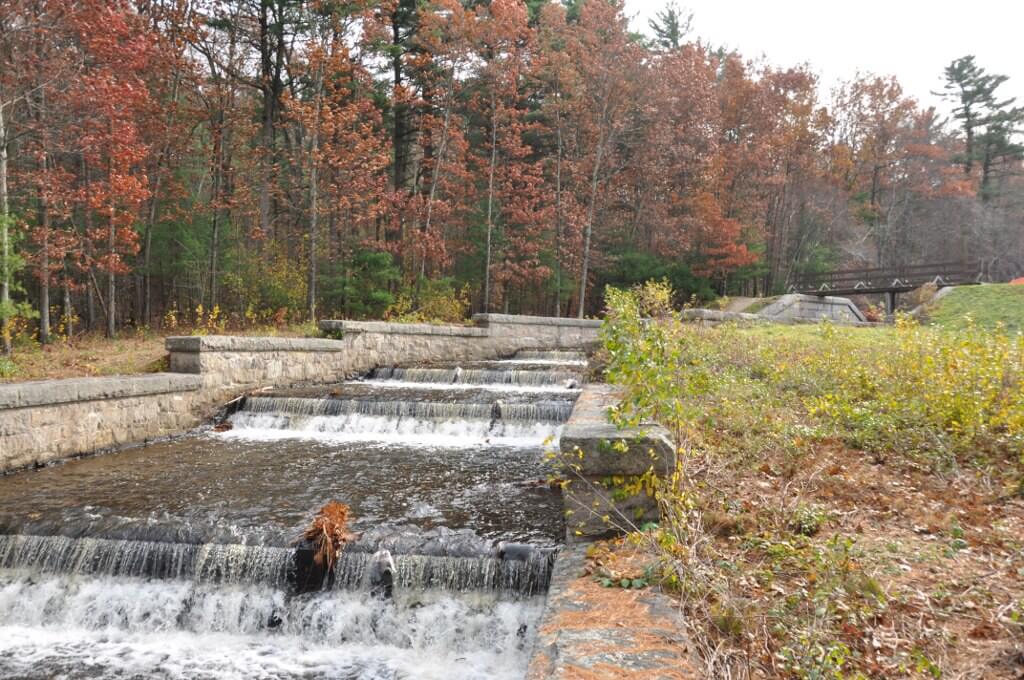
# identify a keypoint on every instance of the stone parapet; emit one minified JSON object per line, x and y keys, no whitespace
{"x":589,"y":631}
{"x":41,"y":422}
{"x":50,"y":392}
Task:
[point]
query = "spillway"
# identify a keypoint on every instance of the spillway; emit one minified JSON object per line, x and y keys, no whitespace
{"x":179,"y":559}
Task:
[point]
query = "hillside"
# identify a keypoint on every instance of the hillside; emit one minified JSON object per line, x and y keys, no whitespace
{"x":987,"y":305}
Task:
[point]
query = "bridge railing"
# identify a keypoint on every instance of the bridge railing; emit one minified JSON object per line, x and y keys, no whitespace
{"x":888,"y":279}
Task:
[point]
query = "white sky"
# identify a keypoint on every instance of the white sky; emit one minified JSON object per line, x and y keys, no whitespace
{"x":911,"y":39}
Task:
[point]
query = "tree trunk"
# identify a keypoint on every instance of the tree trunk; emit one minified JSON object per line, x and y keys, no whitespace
{"x":558,"y":212}
{"x":490,"y":203}
{"x":44,"y":260}
{"x":215,"y":194}
{"x":44,"y":281}
{"x":111,"y":303}
{"x":436,"y":175}
{"x":591,"y":212}
{"x":69,"y":311}
{"x":147,"y":262}
{"x":5,"y":242}
{"x":314,"y":148}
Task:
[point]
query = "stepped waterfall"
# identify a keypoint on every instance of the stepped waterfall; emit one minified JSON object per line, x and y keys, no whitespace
{"x":181,"y":558}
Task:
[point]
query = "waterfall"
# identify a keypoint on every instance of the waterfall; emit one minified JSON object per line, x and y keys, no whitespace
{"x":62,"y":626}
{"x":202,"y":562}
{"x":456,"y":433}
{"x":551,"y":410}
{"x":177,"y":559}
{"x":275,"y":567}
{"x":448,"y":376}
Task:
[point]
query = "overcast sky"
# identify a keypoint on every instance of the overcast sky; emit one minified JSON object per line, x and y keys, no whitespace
{"x":911,"y":39}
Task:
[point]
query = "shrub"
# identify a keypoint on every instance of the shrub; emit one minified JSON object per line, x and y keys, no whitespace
{"x":431,"y":301}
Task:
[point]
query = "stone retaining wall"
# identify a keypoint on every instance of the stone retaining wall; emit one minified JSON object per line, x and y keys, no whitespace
{"x":796,"y":307}
{"x":48,"y":420}
{"x":594,"y":451}
{"x":41,"y":422}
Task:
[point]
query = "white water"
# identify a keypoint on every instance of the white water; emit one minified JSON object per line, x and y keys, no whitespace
{"x":543,"y":362}
{"x":64,"y":626}
{"x":490,"y":387}
{"x":356,"y":427}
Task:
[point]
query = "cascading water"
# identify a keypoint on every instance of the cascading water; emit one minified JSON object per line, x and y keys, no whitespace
{"x":178,"y":559}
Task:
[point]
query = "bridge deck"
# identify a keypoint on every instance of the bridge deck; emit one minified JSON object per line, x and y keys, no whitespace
{"x":887,"y":279}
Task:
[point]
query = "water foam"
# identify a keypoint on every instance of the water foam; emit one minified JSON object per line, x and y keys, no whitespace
{"x":66,"y":626}
{"x":356,"y":427}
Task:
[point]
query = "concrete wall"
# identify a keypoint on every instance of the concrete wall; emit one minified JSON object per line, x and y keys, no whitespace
{"x":812,"y":307}
{"x":41,"y":422}
{"x":592,"y":451}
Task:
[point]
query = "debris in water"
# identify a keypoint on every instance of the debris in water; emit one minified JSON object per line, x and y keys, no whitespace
{"x":514,"y":551}
{"x":328,"y":533}
{"x":223,"y":426}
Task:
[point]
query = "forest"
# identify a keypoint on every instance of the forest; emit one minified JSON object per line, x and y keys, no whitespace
{"x":269,"y":161}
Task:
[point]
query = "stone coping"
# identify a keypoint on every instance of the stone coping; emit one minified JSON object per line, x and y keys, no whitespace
{"x":589,"y":430}
{"x":486,"y":319}
{"x":387,"y":327}
{"x":780,"y":306}
{"x":234,"y":343}
{"x":718,"y":316}
{"x":49,"y":392}
{"x":588,"y":631}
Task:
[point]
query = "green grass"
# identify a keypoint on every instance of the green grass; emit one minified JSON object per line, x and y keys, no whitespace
{"x":987,"y":305}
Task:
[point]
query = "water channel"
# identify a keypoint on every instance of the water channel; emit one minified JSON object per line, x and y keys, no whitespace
{"x":178,"y":559}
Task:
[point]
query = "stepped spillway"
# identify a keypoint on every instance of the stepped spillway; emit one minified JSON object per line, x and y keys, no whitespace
{"x":179,"y":559}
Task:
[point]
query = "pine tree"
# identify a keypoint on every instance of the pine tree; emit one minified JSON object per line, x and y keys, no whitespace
{"x":989,"y":124}
{"x":670,"y":26}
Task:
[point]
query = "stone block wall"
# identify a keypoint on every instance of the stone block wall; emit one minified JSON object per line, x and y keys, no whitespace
{"x":45,"y":421}
{"x":593,"y":452}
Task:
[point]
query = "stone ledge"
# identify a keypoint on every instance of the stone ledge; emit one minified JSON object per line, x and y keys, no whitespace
{"x":607,"y":449}
{"x":522,"y":319}
{"x":386,"y":327}
{"x":587,"y":631}
{"x":719,"y":316}
{"x":234,"y":343}
{"x":50,"y":392}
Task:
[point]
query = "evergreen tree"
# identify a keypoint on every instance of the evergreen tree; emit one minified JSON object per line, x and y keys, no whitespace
{"x":670,"y":26}
{"x":989,"y":124}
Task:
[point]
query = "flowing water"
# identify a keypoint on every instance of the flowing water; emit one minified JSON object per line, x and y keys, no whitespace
{"x":178,"y":559}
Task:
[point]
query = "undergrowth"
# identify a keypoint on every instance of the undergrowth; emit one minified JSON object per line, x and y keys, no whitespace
{"x":770,"y":586}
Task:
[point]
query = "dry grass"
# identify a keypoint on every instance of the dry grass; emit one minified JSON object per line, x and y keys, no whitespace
{"x":92,"y":354}
{"x":868,"y":541}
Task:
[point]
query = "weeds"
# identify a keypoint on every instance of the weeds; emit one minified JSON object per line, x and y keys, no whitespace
{"x":769,"y":585}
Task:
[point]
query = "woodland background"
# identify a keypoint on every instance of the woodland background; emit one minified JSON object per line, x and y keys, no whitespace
{"x":273,"y":160}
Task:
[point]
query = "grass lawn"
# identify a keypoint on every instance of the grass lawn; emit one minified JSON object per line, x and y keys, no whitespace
{"x":988,"y":305}
{"x":847,"y":501}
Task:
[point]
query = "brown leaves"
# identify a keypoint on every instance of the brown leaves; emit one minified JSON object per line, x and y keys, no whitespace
{"x":329,"y":533}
